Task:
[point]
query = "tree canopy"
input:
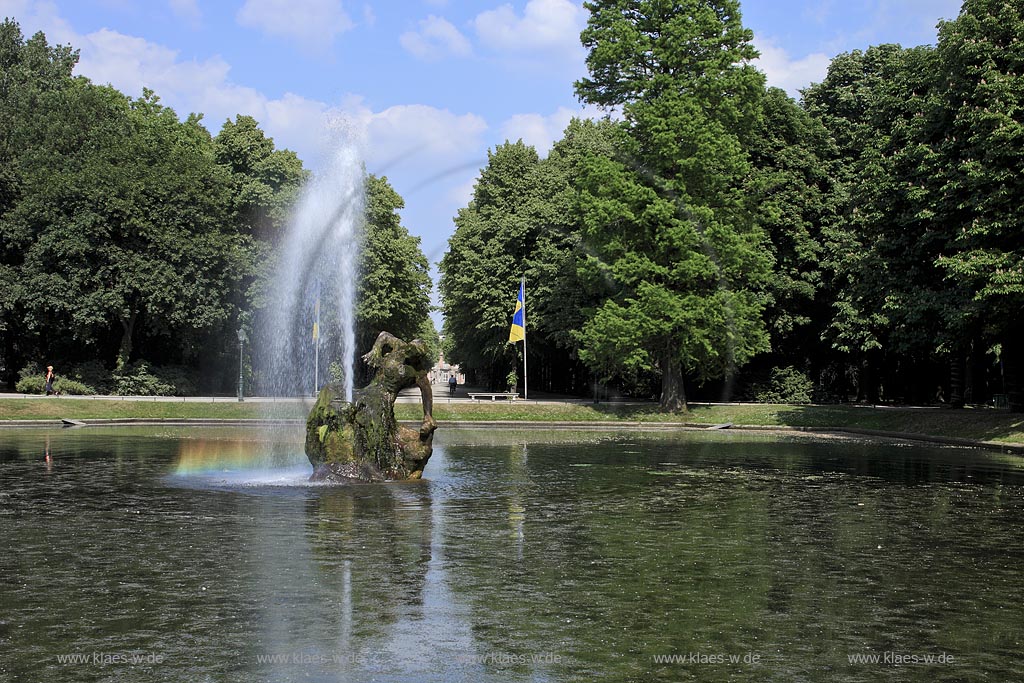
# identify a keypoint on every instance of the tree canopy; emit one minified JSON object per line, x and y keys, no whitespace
{"x":865,"y":237}
{"x":129,"y":236}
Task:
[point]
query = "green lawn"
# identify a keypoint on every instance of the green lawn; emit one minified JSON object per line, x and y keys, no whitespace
{"x":980,"y":424}
{"x":84,"y":409}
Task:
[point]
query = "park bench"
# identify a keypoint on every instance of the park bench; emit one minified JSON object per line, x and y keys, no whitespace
{"x":510,"y":396}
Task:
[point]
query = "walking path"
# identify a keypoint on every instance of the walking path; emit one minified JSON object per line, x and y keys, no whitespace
{"x":410,"y":395}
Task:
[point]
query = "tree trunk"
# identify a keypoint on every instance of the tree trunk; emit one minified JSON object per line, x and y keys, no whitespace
{"x":125,"y":351}
{"x":673,"y":394}
{"x":1012,"y":386}
{"x":971,"y":388}
{"x":8,"y":359}
{"x":869,"y":378}
{"x":956,"y":380}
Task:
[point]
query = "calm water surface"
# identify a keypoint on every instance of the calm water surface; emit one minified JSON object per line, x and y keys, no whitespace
{"x":201,"y":555}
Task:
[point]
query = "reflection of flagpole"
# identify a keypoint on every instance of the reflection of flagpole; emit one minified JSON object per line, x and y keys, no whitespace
{"x":526,"y":387}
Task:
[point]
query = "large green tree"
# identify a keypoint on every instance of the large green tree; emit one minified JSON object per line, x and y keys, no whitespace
{"x":393,"y":289}
{"x":122,"y":222}
{"x":486,"y":257}
{"x":679,"y":256}
{"x":790,"y":191}
{"x":890,"y":301}
{"x":263,"y":186}
{"x":29,"y":70}
{"x":978,"y":153}
{"x":524,"y":221}
{"x":264,"y":181}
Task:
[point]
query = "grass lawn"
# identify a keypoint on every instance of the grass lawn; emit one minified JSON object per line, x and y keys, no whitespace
{"x":980,"y":424}
{"x":85,"y":409}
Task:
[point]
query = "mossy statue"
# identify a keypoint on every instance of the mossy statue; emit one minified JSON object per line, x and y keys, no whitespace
{"x":361,"y":440}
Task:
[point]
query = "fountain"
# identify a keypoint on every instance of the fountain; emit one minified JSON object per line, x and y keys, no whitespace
{"x":317,"y":263}
{"x":350,"y":436}
{"x":360,"y":439}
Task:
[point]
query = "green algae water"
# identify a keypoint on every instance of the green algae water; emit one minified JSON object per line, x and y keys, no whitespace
{"x":201,"y":554}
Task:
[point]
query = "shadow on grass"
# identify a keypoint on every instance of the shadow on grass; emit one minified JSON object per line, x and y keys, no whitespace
{"x":982,"y":424}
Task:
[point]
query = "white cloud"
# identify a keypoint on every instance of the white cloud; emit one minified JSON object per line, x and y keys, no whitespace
{"x":39,"y":16}
{"x":782,"y":71}
{"x":187,"y":10}
{"x":461,"y":194}
{"x":425,"y":151}
{"x":313,"y":24}
{"x":129,"y":64}
{"x":417,"y":135}
{"x":547,"y":29}
{"x":369,"y":16}
{"x":411,"y":134}
{"x":541,"y":130}
{"x":421,"y":139}
{"x":436,"y":38}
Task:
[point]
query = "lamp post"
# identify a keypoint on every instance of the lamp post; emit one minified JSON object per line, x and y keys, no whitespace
{"x":241,"y":344}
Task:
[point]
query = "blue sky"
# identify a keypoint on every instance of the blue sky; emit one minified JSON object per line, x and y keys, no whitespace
{"x":425,"y":87}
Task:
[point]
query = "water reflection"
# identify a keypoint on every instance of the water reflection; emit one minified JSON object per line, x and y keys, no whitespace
{"x":373,"y":542}
{"x":523,"y":557}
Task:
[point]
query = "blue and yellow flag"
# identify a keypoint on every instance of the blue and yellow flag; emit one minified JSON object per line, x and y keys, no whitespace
{"x":518,"y":331}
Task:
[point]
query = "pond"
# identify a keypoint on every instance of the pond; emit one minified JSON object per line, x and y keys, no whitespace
{"x":200,"y":554}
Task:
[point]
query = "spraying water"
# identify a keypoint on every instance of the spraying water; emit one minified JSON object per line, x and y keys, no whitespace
{"x":310,"y":320}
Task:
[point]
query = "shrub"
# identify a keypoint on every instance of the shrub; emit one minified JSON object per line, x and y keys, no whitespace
{"x":786,"y":385}
{"x":30,"y":370}
{"x":181,"y":379}
{"x":31,"y":384}
{"x":135,"y":379}
{"x":65,"y":385}
{"x":92,"y":373}
{"x":33,"y":381}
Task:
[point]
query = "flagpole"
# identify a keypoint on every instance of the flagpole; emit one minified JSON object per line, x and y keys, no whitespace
{"x":526,"y":386}
{"x":316,"y":349}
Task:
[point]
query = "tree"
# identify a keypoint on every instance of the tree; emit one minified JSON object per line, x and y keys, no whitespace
{"x":979,"y":156}
{"x":264,"y":181}
{"x":524,"y":221}
{"x":29,"y":69}
{"x":122,"y":228}
{"x":429,"y":334}
{"x":789,"y":192}
{"x":486,"y":255}
{"x":680,"y":258}
{"x":264,"y":184}
{"x":393,"y":289}
{"x":122,"y":221}
{"x":882,"y":240}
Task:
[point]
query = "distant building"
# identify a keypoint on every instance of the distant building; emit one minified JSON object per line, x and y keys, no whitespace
{"x":441,"y":371}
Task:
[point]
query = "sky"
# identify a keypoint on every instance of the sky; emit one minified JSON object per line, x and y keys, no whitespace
{"x":424,"y":88}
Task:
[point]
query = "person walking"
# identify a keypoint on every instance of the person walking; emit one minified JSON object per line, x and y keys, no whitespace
{"x":452,"y":382}
{"x":49,"y":379}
